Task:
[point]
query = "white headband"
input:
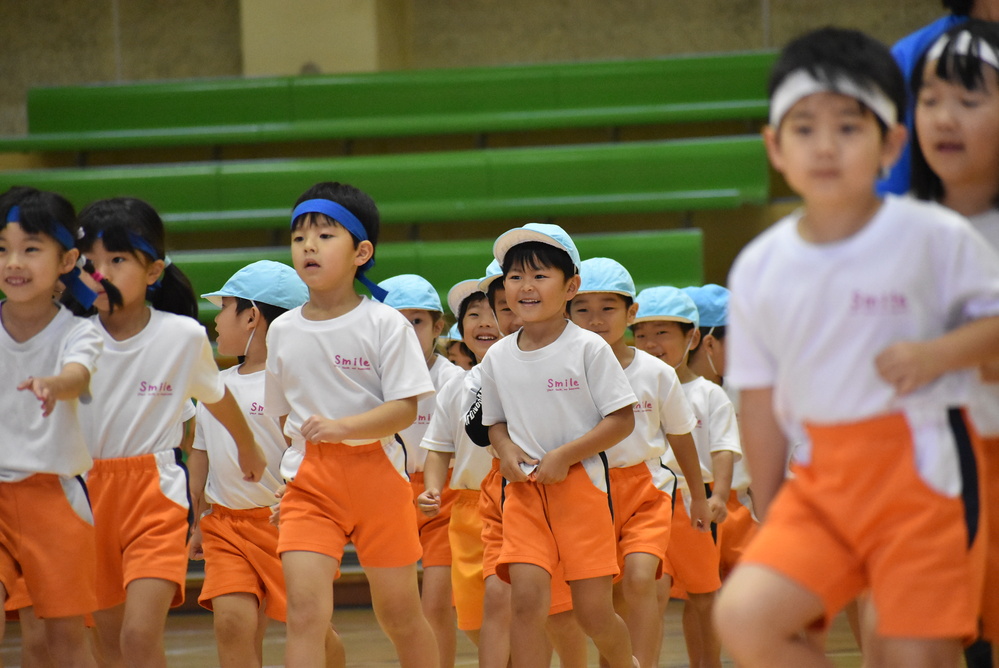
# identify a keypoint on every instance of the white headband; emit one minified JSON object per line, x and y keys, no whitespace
{"x":800,"y":84}
{"x":962,"y":47}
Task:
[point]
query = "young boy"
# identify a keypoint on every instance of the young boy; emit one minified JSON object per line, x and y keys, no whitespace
{"x":708,"y":361}
{"x":244,"y":585}
{"x":666,"y":326}
{"x":418,"y":301}
{"x":852,"y":322}
{"x":348,"y":373}
{"x":638,"y":481}
{"x":554,"y":398}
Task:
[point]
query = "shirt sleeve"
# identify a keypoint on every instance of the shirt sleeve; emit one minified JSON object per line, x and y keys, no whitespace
{"x":83,"y":346}
{"x":205,"y":383}
{"x":403,"y":369}
{"x":723,"y":429}
{"x":607,"y":381}
{"x":439,"y":436}
{"x":748,"y":360}
{"x":675,"y":413}
{"x":973,"y":279}
{"x":492,"y":407}
{"x":201,"y":414}
{"x":275,"y":402}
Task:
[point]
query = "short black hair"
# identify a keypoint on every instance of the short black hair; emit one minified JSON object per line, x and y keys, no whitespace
{"x":830,"y":54}
{"x":268,"y":311}
{"x":351,"y":198}
{"x":959,"y":69}
{"x":538,"y":255}
{"x":959,"y":7}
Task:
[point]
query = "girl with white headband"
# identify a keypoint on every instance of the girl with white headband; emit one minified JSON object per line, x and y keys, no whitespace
{"x":855,"y":325}
{"x":956,"y":163}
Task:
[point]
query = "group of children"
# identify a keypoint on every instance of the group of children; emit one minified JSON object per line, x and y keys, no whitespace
{"x":565,"y":485}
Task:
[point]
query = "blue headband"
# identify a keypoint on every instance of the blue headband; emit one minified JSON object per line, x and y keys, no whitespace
{"x":349,"y":222}
{"x":138,"y":243}
{"x":71,"y":279}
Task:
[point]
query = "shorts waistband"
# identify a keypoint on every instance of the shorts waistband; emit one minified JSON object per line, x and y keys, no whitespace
{"x":874,"y":429}
{"x":633,"y":471}
{"x":338,"y":449}
{"x":262,"y":512}
{"x":139,"y":463}
{"x":464,"y":496}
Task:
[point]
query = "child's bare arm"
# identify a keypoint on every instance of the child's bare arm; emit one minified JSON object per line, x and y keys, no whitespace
{"x":722,"y":465}
{"x":70,"y":383}
{"x":187,"y":439}
{"x":611,"y":430}
{"x":197,"y":469}
{"x":434,"y":477}
{"x":685,"y":452}
{"x":511,"y":455}
{"x":251,"y":458}
{"x":387,"y":418}
{"x":909,"y":365}
{"x":764,"y":445}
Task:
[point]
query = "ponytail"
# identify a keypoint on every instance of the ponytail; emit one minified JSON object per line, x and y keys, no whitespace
{"x":173,"y":293}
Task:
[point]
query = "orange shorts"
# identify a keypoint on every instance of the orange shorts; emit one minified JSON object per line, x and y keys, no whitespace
{"x":433,"y":530}
{"x":860,"y":516}
{"x":989,"y":475}
{"x":568,"y":522}
{"x":47,"y":542}
{"x":350,"y":493}
{"x":642,"y":513}
{"x":735,"y":533}
{"x":467,"y":583}
{"x":241,"y":558}
{"x":692,"y":555}
{"x":491,"y":510}
{"x":142,"y":514}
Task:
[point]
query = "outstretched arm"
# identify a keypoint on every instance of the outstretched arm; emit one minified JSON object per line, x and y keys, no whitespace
{"x":70,"y":383}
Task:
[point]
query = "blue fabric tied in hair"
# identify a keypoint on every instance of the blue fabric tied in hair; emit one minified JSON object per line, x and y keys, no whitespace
{"x":349,"y":222}
{"x":71,"y":279}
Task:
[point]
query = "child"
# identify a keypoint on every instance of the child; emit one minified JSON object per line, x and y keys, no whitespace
{"x":554,"y":398}
{"x":642,"y":509}
{"x":418,"y":301}
{"x":48,"y":357}
{"x":155,"y":359}
{"x":708,"y":361}
{"x":666,"y":327}
{"x":348,"y":373}
{"x":841,"y":340}
{"x":956,"y":162}
{"x":243,"y":582}
{"x":456,"y":351}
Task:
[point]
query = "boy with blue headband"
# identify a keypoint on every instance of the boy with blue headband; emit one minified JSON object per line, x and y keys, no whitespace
{"x":641,"y":488}
{"x":855,"y":323}
{"x":347,"y":372}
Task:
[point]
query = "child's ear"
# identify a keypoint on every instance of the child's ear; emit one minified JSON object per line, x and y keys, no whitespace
{"x":893,"y":144}
{"x":695,"y":340}
{"x":438,"y":327}
{"x":572,"y":287}
{"x":364,"y":252}
{"x":772,"y":143}
{"x":632,"y":312}
{"x":68,"y":260}
{"x":154,"y":270}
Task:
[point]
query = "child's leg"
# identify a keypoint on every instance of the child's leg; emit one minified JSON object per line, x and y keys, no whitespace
{"x":592,"y":601}
{"x":438,"y":608}
{"x":34,"y":644}
{"x":703,"y":646}
{"x":147,"y":601}
{"x":336,"y":657}
{"x":68,"y":642}
{"x":237,"y":621}
{"x":395,"y":597}
{"x":309,"y":581}
{"x":494,"y":636}
{"x":761,"y":616}
{"x":663,"y":587}
{"x":530,"y":599}
{"x":880,"y":651}
{"x":568,"y":639}
{"x":638,"y":588}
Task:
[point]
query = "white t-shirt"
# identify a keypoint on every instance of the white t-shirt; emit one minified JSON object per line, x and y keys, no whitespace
{"x":144,"y":384}
{"x":662,"y":408}
{"x":440,"y":373}
{"x":984,"y":404}
{"x":225,"y":485}
{"x":716,"y":429}
{"x":30,"y":443}
{"x":341,"y":367}
{"x":447,"y":431}
{"x":809,"y":319}
{"x":554,"y":395}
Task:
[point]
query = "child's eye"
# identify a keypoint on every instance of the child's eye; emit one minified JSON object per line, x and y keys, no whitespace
{"x":849,"y":128}
{"x":801,"y":130}
{"x":927,"y":100}
{"x":297,"y":239}
{"x":325,"y":235}
{"x":970,"y":102}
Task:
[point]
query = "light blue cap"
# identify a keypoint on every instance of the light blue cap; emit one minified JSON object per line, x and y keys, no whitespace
{"x":553,"y":235}
{"x":460,"y":292}
{"x":602,"y":274}
{"x":666,"y":303}
{"x":712,"y":304}
{"x":452,"y":334}
{"x":493,"y":271}
{"x":266,"y":282}
{"x":411,"y":291}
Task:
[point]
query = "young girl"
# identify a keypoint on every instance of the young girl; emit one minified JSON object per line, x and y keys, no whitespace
{"x":956,"y":163}
{"x":418,"y":301}
{"x":48,"y":357}
{"x":155,"y":359}
{"x":456,"y":351}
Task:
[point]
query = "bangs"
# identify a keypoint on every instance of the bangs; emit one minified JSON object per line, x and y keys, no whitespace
{"x":314,"y":220}
{"x":536,"y":255}
{"x":965,"y":69}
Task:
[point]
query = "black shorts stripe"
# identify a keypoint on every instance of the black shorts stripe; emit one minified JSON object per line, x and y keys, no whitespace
{"x":969,"y":472}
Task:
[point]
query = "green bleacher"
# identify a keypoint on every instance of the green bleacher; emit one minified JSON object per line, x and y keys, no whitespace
{"x":214,"y":112}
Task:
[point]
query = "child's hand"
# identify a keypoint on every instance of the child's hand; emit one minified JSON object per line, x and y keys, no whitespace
{"x":275,"y":518}
{"x":511,"y":459}
{"x":194,"y":546}
{"x":700,"y":515}
{"x":429,"y":502}
{"x":252,"y":463}
{"x":42,"y":391}
{"x":716,"y":509}
{"x":318,"y":429}
{"x":552,"y":468}
{"x":907,"y":366}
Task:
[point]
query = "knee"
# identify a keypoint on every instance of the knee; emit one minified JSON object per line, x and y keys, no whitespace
{"x":637,"y":585}
{"x":737,"y":622}
{"x":234,"y":628}
{"x":137,"y":639}
{"x":528,"y":603}
{"x":307,"y":613}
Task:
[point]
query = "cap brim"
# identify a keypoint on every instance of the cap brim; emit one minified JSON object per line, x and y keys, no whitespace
{"x":657,"y":318}
{"x":460,"y":292}
{"x":518,"y":236}
{"x":623,"y":293}
{"x":215,"y":298}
